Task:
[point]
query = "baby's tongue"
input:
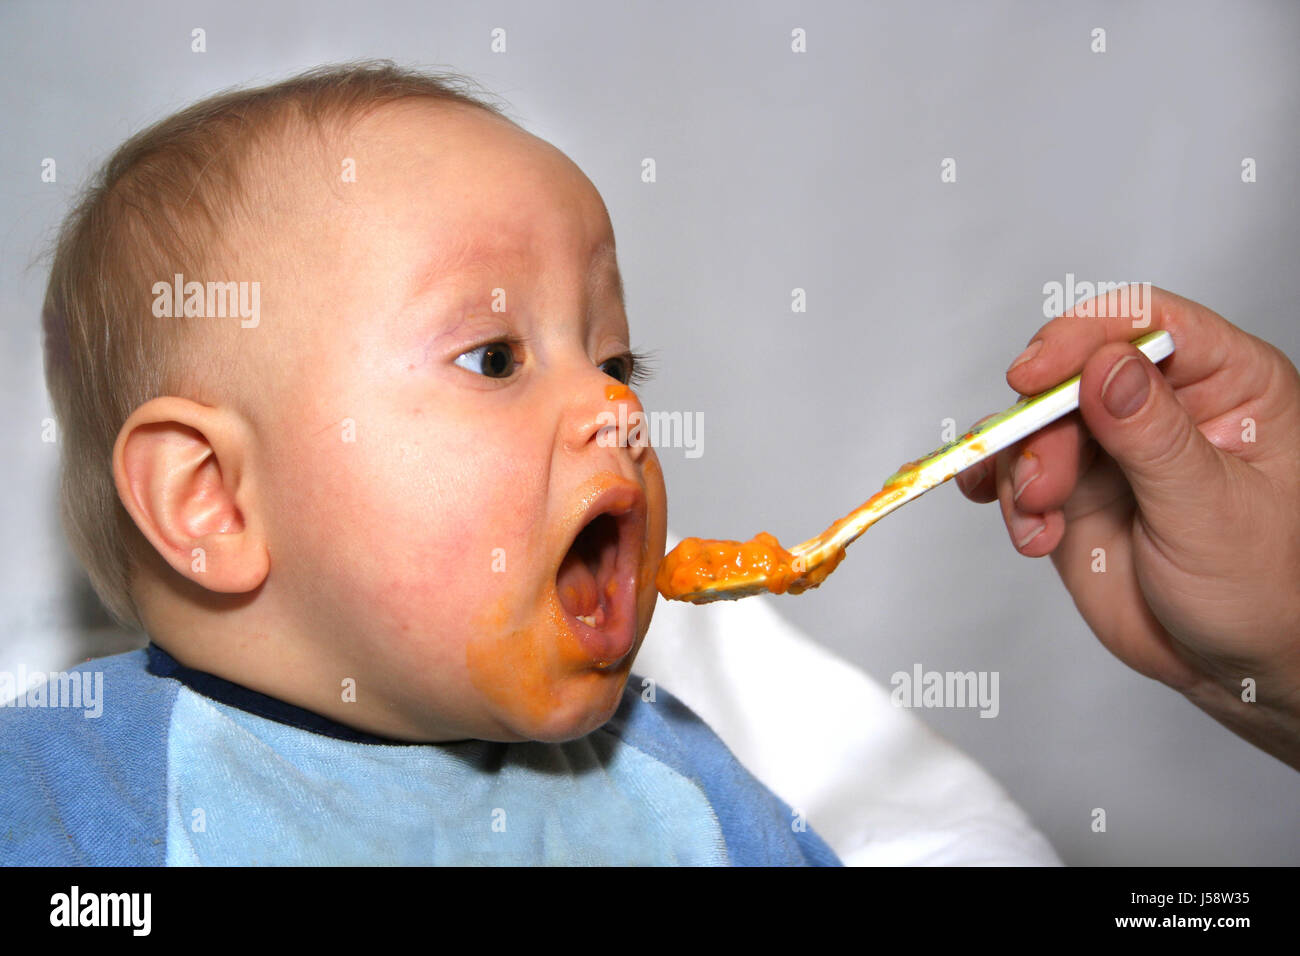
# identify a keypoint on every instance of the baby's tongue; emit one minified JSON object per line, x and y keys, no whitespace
{"x":577,"y":586}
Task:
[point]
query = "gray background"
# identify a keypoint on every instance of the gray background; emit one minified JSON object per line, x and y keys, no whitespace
{"x":779,"y":170}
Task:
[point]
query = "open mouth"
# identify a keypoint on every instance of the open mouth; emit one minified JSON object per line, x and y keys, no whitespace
{"x":596,"y":581}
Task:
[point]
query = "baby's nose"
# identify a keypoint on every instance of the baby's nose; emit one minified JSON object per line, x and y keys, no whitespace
{"x":628,"y":427}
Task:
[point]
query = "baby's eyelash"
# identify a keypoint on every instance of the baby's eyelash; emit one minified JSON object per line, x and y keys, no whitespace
{"x":642,"y":362}
{"x":642,"y":367}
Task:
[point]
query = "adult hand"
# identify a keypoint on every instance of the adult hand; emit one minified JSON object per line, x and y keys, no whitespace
{"x":1170,"y":505}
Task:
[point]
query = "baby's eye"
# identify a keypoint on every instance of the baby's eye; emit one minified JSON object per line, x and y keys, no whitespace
{"x":619,"y":367}
{"x":630,"y":368}
{"x":495,"y":360}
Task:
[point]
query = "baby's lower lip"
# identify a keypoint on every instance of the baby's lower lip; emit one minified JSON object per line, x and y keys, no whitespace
{"x":609,"y":640}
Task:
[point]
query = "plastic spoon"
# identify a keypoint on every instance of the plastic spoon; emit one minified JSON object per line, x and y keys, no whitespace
{"x":703,"y":571}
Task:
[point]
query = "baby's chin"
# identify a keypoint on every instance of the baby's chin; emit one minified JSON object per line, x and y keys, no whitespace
{"x":580,"y":704}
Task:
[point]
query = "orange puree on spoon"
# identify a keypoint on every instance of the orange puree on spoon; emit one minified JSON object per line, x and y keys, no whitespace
{"x":701,"y":571}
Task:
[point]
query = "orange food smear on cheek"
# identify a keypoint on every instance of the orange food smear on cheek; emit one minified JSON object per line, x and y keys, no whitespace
{"x":534,"y":677}
{"x":511,"y":667}
{"x":615,"y":392}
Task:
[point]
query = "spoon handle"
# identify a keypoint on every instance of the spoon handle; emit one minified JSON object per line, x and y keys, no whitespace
{"x":915,"y":478}
{"x":1023,"y":418}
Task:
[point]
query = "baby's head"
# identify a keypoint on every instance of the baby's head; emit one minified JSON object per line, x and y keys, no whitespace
{"x":381,"y":482}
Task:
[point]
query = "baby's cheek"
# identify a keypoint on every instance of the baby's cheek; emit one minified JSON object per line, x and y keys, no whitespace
{"x":358,"y":524}
{"x":447,"y":537}
{"x":534,"y":680}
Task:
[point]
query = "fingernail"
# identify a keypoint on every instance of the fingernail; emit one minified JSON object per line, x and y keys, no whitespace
{"x":1030,"y":351}
{"x":972,"y":476}
{"x":1125,"y":389}
{"x":1026,"y":528}
{"x":1024,"y":473}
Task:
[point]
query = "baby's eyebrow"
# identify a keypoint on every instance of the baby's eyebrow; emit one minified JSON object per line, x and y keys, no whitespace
{"x":462,"y":260}
{"x":604,"y":273}
{"x":453,"y":267}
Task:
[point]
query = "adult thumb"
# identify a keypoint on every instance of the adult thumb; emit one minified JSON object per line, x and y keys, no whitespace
{"x":1177,"y":475}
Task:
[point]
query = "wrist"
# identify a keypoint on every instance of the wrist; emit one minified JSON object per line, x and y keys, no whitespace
{"x":1265,"y":712}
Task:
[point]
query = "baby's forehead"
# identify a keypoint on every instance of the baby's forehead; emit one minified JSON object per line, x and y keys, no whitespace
{"x":431,"y":205}
{"x":345,"y":156}
{"x":475,"y":187}
{"x":409,"y":134}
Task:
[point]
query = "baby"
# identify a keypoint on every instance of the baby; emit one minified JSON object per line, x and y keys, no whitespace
{"x":334,"y":362}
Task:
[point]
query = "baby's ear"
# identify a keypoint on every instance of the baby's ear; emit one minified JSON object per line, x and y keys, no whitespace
{"x":181,"y":472}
